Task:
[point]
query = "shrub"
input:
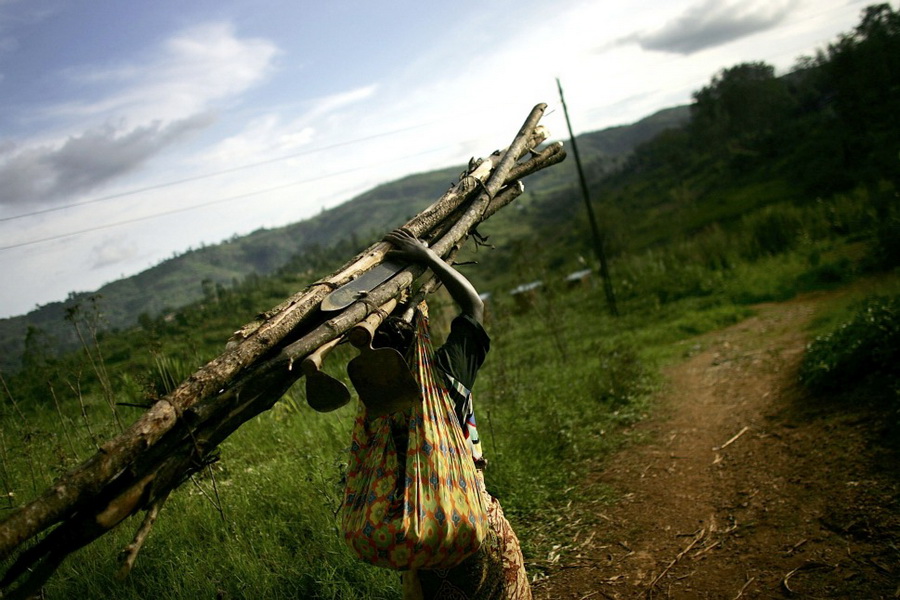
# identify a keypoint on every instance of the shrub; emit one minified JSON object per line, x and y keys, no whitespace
{"x":823,"y":275}
{"x":864,"y":350}
{"x":885,"y":253}
{"x":621,"y":378}
{"x":772,"y":231}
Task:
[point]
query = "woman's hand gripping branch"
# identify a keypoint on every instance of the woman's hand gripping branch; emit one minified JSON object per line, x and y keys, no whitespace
{"x":408,"y":247}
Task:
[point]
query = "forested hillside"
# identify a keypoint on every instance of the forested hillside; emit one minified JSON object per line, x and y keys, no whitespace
{"x":764,"y":157}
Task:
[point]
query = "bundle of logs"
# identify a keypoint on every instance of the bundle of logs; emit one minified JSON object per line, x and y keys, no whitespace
{"x":177,"y":436}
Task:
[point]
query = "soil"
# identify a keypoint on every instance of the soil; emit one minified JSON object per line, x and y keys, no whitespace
{"x":739,"y":485}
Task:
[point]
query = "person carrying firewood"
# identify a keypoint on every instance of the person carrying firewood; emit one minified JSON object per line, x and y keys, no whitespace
{"x":496,"y":571}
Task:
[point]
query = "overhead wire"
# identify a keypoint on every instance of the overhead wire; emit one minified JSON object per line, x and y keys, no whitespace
{"x":208,"y":203}
{"x":174,"y":182}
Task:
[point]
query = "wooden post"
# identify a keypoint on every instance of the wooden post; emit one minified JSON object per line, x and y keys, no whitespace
{"x":595,"y":231}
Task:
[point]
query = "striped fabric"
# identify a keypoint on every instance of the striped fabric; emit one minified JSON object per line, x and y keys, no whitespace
{"x":461,"y":396}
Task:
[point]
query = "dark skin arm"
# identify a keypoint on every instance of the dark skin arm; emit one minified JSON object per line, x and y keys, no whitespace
{"x":408,"y":247}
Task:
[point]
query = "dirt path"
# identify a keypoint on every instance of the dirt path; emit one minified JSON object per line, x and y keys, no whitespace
{"x":735,"y":491}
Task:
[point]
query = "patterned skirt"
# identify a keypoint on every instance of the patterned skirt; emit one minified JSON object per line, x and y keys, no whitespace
{"x":495,"y":572}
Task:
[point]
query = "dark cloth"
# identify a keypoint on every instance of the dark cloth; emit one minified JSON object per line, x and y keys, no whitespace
{"x":461,"y":357}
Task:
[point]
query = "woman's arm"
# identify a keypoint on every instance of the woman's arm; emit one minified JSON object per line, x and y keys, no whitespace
{"x":410,"y":248}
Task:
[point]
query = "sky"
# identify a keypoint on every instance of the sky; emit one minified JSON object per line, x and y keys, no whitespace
{"x":131,"y":132}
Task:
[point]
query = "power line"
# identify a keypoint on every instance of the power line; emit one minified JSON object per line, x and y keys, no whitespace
{"x":209,"y":175}
{"x":209,"y":203}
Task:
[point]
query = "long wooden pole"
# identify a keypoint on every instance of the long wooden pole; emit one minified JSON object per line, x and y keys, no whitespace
{"x":595,"y":230}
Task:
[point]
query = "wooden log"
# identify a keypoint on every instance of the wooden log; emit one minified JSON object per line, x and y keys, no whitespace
{"x":474,"y":213}
{"x":552,"y":155}
{"x":469,"y":182}
{"x":324,"y":393}
{"x":149,"y":479}
{"x":130,"y":552}
{"x":478,"y":174}
{"x":86,"y":481}
{"x":363,"y":332}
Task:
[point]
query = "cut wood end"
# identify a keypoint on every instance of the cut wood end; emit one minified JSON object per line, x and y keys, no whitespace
{"x":482,"y":171}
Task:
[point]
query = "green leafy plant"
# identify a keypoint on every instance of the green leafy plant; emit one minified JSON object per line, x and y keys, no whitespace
{"x":862,"y":350}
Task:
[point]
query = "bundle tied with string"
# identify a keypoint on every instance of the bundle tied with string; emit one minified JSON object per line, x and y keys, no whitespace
{"x":413,"y":498}
{"x":137,"y":470}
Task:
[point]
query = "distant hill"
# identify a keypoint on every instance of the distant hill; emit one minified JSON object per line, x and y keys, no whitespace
{"x":184,"y":279}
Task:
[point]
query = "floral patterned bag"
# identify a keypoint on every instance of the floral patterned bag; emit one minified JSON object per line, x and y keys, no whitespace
{"x":412,"y":499}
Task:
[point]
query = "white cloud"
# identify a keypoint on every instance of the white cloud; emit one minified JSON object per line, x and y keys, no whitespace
{"x":111,"y":251}
{"x":193,"y":70}
{"x":40,"y":175}
{"x":272,"y":133}
{"x":711,"y":23}
{"x":139,"y":110}
{"x":329,"y":104}
{"x":261,"y":135}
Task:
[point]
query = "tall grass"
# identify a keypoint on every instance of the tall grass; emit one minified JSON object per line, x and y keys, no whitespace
{"x":560,"y":382}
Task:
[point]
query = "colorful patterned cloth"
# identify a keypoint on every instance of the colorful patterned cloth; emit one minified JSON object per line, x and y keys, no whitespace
{"x":422,"y":508}
{"x":495,"y":572}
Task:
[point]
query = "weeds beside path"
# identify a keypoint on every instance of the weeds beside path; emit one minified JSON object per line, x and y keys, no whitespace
{"x":736,"y":489}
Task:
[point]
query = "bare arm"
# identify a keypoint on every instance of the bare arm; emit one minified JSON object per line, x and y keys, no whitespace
{"x":410,"y":248}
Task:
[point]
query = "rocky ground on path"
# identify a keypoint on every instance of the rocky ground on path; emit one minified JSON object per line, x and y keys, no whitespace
{"x":740,"y":486}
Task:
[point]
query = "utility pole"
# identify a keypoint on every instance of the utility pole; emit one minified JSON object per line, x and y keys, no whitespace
{"x":595,"y":230}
